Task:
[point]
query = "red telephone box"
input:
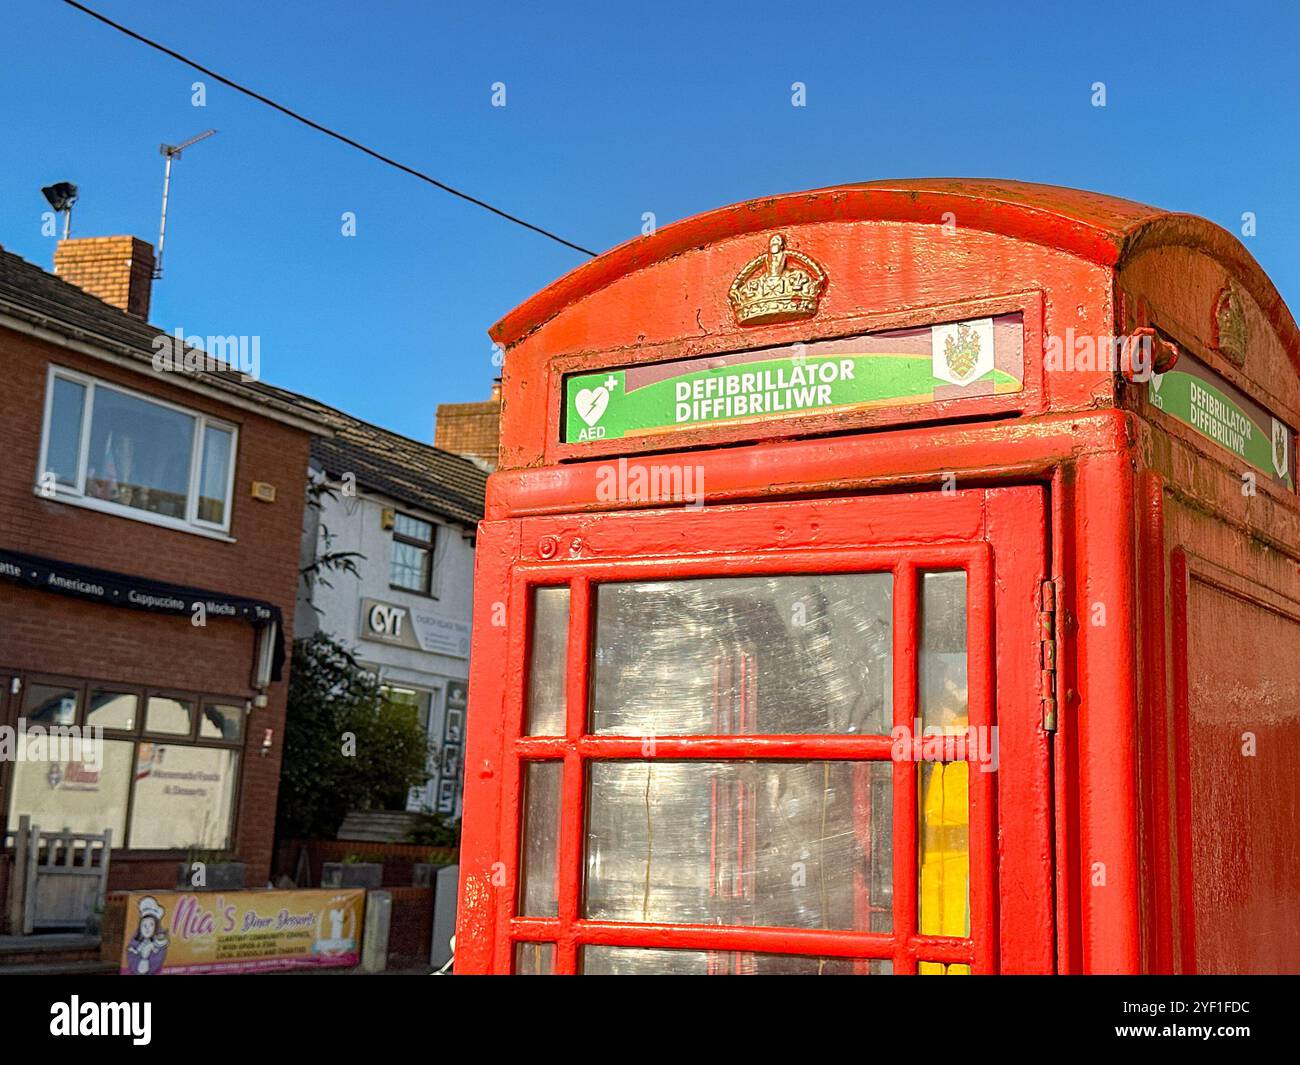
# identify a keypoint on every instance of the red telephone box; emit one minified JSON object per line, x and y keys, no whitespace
{"x":899,"y":577}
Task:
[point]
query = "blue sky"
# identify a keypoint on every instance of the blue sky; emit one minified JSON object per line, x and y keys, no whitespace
{"x":613,"y":110}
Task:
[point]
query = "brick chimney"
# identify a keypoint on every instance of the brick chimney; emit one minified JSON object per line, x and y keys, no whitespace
{"x":119,"y":270}
{"x":471,"y":429}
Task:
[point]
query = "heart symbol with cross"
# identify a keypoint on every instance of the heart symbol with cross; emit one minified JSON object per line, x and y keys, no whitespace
{"x":591,"y":404}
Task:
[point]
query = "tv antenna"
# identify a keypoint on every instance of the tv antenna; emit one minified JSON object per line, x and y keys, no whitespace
{"x":170,"y":152}
{"x":61,"y":196}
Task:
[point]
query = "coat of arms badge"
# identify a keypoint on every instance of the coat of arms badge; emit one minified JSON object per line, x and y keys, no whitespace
{"x":962,"y":353}
{"x":1281,"y":449}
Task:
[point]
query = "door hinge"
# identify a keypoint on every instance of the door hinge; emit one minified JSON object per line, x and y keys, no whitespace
{"x":1047,"y":653}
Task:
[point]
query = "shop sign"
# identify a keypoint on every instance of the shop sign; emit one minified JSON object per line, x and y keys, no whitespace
{"x":905,"y":367}
{"x":418,"y":628}
{"x":140,"y":593}
{"x":179,"y":933}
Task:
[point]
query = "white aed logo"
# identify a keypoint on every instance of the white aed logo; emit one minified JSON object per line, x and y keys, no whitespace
{"x":387,"y":620}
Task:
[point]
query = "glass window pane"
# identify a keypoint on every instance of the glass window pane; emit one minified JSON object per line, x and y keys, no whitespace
{"x":548,"y":664}
{"x":534,"y":959}
{"x":221,"y":721}
{"x":942,"y":654}
{"x":110,"y":709}
{"x":50,"y":704}
{"x":168,"y":715}
{"x":413,"y":528}
{"x":938,"y":968}
{"x":410,"y":567}
{"x":63,"y":451}
{"x":74,"y":785}
{"x":406,"y":697}
{"x":725,"y":656}
{"x":790,"y":844}
{"x":655,"y":961}
{"x":414,"y":700}
{"x":214,"y":476}
{"x":944,"y":861}
{"x":140,"y":453}
{"x":541,"y":840}
{"x":183,"y":797}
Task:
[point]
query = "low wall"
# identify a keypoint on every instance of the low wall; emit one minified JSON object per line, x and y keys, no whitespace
{"x":398,"y":859}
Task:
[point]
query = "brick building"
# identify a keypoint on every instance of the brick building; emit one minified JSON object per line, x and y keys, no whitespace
{"x":471,"y":429}
{"x":149,"y":539}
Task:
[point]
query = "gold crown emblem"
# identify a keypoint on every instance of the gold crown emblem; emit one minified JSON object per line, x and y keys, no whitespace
{"x":777,"y":286}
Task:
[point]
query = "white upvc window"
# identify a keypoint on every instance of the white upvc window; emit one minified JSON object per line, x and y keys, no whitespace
{"x":112,"y":449}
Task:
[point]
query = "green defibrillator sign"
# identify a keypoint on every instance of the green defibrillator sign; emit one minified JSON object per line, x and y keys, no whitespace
{"x":1219,"y":411}
{"x":898,"y":368}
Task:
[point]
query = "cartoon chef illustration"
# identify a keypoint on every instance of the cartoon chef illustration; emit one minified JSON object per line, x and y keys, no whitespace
{"x":148,"y":947}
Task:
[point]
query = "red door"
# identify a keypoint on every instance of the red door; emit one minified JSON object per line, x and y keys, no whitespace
{"x":790,"y":737}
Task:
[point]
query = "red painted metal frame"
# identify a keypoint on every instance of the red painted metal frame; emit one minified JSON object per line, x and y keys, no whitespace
{"x":1017,"y":528}
{"x":1095,"y":228}
{"x":1082,"y":457}
{"x":1106,"y":869}
{"x":1158,"y":875}
{"x":1104,"y":714}
{"x":1178,"y":593}
{"x":1118,"y":788}
{"x":972,"y":454}
{"x":1015,"y":511}
{"x":569,"y":932}
{"x":1199,"y":950}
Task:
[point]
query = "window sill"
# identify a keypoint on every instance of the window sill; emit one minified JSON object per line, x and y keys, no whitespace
{"x":144,"y":516}
{"x":411,"y":591}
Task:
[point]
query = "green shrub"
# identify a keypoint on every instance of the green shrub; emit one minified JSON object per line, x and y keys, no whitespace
{"x":435,"y":830}
{"x":345,"y":747}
